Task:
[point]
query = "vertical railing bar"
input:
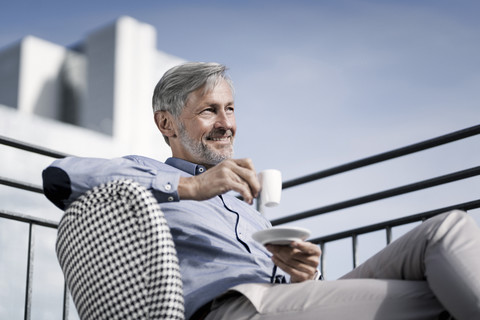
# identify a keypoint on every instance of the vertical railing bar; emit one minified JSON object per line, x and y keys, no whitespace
{"x":28,"y":286}
{"x":388,"y":231}
{"x":354,"y":250}
{"x":322,"y":259}
{"x":66,"y":302}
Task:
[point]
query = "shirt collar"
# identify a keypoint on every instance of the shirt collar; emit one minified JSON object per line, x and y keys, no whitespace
{"x":186,"y":166}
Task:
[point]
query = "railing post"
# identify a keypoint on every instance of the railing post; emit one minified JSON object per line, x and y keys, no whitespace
{"x":388,"y":231}
{"x":66,"y":302}
{"x":354,"y":250}
{"x":29,"y":280}
{"x":322,"y":259}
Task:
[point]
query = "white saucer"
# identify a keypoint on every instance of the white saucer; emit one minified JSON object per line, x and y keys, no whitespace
{"x":281,"y":235}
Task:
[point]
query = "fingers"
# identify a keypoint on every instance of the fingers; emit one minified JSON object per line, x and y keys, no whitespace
{"x":239,"y":175}
{"x":297,"y":250}
{"x":230,"y":175}
{"x":300,"y":259}
{"x":294,"y":256}
{"x":296,"y":273}
{"x":250,"y":185}
{"x":307,"y":248}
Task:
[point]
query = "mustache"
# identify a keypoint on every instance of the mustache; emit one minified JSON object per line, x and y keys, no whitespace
{"x":220,"y":133}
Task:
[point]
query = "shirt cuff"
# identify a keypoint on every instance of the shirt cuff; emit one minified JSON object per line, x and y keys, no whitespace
{"x":165,"y":187}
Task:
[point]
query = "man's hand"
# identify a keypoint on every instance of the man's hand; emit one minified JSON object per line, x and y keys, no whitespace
{"x":230,"y":175}
{"x":300,"y":260}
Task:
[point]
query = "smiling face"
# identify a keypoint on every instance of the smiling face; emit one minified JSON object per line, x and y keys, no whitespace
{"x":206,"y":128}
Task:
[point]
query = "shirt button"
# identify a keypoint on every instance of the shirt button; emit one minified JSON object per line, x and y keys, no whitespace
{"x":168,"y":187}
{"x":201,"y":169}
{"x":170,"y":199}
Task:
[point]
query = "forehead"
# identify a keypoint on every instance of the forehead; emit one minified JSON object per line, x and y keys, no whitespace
{"x":221,"y":93}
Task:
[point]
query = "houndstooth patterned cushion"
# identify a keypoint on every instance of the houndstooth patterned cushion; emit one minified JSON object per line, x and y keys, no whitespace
{"x":118,"y":257}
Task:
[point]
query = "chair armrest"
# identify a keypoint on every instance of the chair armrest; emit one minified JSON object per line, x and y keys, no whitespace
{"x":118,"y":257}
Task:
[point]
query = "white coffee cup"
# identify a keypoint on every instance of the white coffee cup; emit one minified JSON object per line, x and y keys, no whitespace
{"x":271,"y":193}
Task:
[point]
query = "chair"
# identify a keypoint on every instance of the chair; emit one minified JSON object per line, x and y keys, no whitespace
{"x":118,"y":257}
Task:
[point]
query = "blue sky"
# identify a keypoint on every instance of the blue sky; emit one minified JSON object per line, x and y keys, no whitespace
{"x":318,"y":83}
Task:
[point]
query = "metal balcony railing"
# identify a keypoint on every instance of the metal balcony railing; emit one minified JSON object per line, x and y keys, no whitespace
{"x":30,"y":220}
{"x":352,"y":234}
{"x":387,"y":225}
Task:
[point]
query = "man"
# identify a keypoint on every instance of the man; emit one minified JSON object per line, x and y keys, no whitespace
{"x":195,"y":112}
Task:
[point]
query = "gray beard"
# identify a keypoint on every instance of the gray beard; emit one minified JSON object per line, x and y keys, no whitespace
{"x":200,"y":151}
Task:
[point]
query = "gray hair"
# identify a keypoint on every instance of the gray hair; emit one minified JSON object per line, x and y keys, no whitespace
{"x":172,"y":90}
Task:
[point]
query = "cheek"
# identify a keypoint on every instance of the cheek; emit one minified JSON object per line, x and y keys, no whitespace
{"x":200,"y":130}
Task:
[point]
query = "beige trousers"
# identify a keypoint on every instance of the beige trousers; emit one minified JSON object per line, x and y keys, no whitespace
{"x":432,"y":268}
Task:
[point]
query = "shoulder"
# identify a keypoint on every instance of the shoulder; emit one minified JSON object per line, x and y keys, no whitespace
{"x":153,"y":164}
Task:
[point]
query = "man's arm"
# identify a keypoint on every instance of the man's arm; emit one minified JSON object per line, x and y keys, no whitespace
{"x":66,"y":179}
{"x":300,"y":260}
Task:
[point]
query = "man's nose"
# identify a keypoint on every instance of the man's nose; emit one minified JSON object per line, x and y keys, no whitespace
{"x":224,"y":120}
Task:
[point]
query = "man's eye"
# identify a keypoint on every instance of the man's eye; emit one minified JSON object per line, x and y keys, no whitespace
{"x":208,"y":110}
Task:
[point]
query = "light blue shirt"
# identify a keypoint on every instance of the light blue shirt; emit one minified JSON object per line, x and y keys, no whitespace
{"x":212,"y":237}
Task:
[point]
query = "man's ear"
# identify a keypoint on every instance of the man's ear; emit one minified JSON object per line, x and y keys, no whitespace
{"x":165,"y":123}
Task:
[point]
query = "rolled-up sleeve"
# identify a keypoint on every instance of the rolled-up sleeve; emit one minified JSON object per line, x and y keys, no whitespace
{"x":66,"y":179}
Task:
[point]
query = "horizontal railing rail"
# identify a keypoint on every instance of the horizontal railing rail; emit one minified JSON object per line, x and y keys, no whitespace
{"x":16,"y":216}
{"x":396,"y":153}
{"x":20,"y":185}
{"x":385,"y":225}
{"x":421,"y":185}
{"x":31,"y":148}
{"x":465,"y":206}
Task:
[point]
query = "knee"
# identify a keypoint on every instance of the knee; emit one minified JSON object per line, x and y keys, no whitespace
{"x":456,"y":214}
{"x":450,"y":217}
{"x":449,"y":222}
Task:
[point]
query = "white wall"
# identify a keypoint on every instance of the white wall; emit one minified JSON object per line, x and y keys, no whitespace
{"x":135,"y":49}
